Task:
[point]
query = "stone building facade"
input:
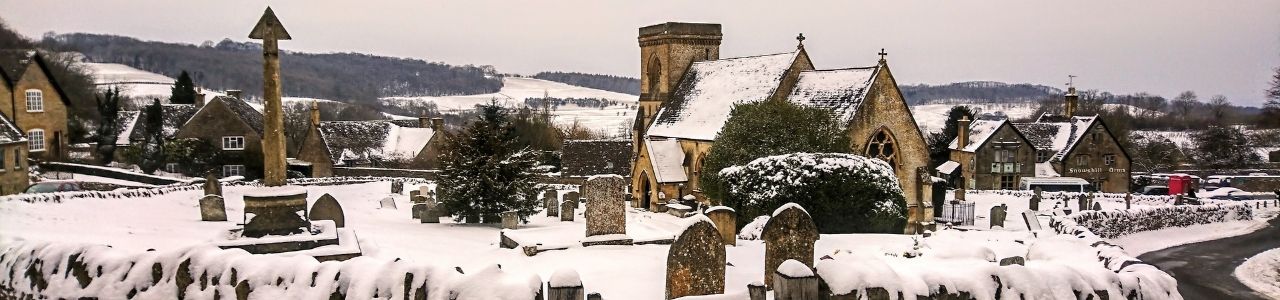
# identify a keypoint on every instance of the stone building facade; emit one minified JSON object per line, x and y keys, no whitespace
{"x":233,"y":127}
{"x":687,"y":92}
{"x":990,"y":155}
{"x":13,"y":157}
{"x":39,"y":107}
{"x":1080,"y":147}
{"x":402,"y":144}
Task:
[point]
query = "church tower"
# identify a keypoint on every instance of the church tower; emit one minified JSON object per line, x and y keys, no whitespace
{"x":666,"y":50}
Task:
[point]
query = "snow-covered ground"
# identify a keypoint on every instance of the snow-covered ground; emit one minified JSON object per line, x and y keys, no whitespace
{"x":1262,"y":273}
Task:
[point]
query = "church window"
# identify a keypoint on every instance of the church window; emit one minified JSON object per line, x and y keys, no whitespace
{"x":884,"y":147}
{"x":655,"y":76}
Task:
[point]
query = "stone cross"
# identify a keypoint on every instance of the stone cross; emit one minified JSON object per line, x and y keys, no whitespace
{"x":270,"y":31}
{"x":998,"y":214}
{"x":726,"y":220}
{"x":606,"y":211}
{"x":789,"y":234}
{"x":212,"y":208}
{"x":696,"y":261}
{"x":327,"y":208}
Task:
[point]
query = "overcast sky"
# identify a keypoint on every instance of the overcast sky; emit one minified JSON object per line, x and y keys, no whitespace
{"x":1158,"y":46}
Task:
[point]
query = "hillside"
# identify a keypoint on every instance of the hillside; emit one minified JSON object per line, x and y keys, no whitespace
{"x":355,"y":77}
{"x":619,"y":84}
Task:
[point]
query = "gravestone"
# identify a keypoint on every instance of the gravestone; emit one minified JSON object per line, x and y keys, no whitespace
{"x":510,"y":220}
{"x":1035,"y":200}
{"x":430,"y":212}
{"x":387,"y":202}
{"x":213,"y":208}
{"x":418,"y":210}
{"x":551,"y":202}
{"x":794,"y":281}
{"x":397,"y":187}
{"x":414,"y":194}
{"x":327,"y":208}
{"x":1097,"y":206}
{"x":566,"y":211}
{"x":573,"y":197}
{"x":606,"y":211}
{"x":565,"y":284}
{"x":1033,"y":222}
{"x":1128,"y":201}
{"x":212,"y":186}
{"x":1082,"y":203}
{"x":726,"y":220}
{"x":696,"y":261}
{"x":998,"y":214}
{"x":789,"y":234}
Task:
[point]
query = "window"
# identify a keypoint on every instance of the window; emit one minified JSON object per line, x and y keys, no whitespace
{"x":232,"y":170}
{"x":882,"y":147}
{"x":1042,"y":156}
{"x":233,"y":143}
{"x":1008,"y":182}
{"x":2,"y":169}
{"x":35,"y":140}
{"x":1005,"y":161}
{"x":35,"y":100}
{"x":1109,"y":159}
{"x":17,"y":159}
{"x":1082,"y":160}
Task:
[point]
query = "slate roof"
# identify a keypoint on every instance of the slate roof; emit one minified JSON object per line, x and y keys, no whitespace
{"x":173,"y":117}
{"x":701,"y":101}
{"x":841,"y":91}
{"x":382,"y":139}
{"x":667,"y":160}
{"x":247,"y":113}
{"x":979,"y":132}
{"x":583,"y":158}
{"x":1058,"y":134}
{"x":9,"y":133}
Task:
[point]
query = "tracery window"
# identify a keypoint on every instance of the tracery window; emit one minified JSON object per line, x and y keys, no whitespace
{"x":884,"y":147}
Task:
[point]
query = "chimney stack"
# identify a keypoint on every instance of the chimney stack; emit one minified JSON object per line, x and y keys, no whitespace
{"x":437,"y":124}
{"x":234,"y":94}
{"x":315,"y":113}
{"x":1072,"y":102}
{"x":962,"y":132}
{"x":199,"y":97}
{"x":424,"y":121}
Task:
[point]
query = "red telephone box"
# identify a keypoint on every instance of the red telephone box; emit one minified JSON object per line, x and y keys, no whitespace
{"x":1179,"y":184}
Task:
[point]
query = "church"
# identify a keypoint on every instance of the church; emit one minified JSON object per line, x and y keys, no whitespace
{"x":687,"y":92}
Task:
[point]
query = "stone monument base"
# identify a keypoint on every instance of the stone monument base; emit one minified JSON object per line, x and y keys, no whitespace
{"x":607,"y":239}
{"x":324,"y":241}
{"x":277,"y":211}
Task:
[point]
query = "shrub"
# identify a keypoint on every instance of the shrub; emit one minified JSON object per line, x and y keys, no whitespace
{"x":843,"y":192}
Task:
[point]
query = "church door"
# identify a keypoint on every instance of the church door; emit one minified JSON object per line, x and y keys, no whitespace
{"x":646,"y":190}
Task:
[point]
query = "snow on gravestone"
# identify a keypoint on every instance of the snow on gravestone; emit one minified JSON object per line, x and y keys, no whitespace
{"x":696,"y":260}
{"x":789,"y":234}
{"x":565,"y":284}
{"x":1033,"y":222}
{"x":605,"y":208}
{"x":387,"y":202}
{"x":998,"y":214}
{"x":430,"y":212}
{"x":726,"y":220}
{"x":327,"y":208}
{"x":550,"y":203}
{"x":212,"y":208}
{"x":566,"y":211}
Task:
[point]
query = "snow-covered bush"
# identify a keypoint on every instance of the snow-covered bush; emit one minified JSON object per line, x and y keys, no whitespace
{"x":843,"y":192}
{"x":1114,"y":223}
{"x":754,"y":230}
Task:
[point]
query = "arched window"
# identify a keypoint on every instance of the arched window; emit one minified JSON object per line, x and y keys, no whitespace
{"x":35,"y":100}
{"x":655,"y":76}
{"x":35,"y":140}
{"x":884,"y":147}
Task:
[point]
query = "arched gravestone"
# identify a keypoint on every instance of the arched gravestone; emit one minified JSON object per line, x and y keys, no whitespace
{"x":696,"y":261}
{"x":327,"y":208}
{"x":726,"y":220}
{"x":998,"y":214}
{"x":566,"y":211}
{"x":212,"y":208}
{"x":212,"y":186}
{"x":606,"y":208}
{"x":789,"y":234}
{"x":572,"y":197}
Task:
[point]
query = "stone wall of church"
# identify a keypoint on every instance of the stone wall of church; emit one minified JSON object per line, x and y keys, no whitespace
{"x":1089,"y":161}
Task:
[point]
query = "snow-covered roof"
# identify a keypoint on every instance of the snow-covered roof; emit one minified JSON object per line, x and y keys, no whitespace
{"x":700,"y":104}
{"x":9,"y":133}
{"x":173,"y":116}
{"x":979,"y":132}
{"x":948,"y":167}
{"x":593,"y":157}
{"x":247,"y":113}
{"x":348,"y":140}
{"x":667,"y":159}
{"x":1055,"y":133}
{"x":125,"y":121}
{"x":841,"y":91}
{"x":1045,"y":169}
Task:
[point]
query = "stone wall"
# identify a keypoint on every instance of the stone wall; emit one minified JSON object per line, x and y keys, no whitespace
{"x":382,"y":172}
{"x":884,"y":107}
{"x":109,"y":173}
{"x":1115,"y":223}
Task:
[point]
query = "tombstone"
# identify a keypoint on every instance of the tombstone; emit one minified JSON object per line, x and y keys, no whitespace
{"x":998,"y":214}
{"x":1128,"y":201}
{"x":414,"y":194}
{"x":510,"y":220}
{"x":726,"y":220}
{"x":1082,"y":203}
{"x":418,"y":199}
{"x":418,"y":210}
{"x":756,"y":291}
{"x":1033,"y":222}
{"x":696,"y":261}
{"x":327,"y":208}
{"x":387,"y":202}
{"x":789,"y":234}
{"x":959,"y":195}
{"x":1013,"y":260}
{"x":430,"y":212}
{"x":574,"y":197}
{"x":566,"y":211}
{"x":1035,"y":200}
{"x":794,"y":280}
{"x":565,"y":284}
{"x":1097,"y":206}
{"x":213,"y":208}
{"x":397,"y":187}
{"x":551,"y":202}
{"x":606,"y":211}
{"x":212,"y":186}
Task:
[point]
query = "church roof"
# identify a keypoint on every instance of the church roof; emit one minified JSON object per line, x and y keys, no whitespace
{"x":701,"y":102}
{"x":667,"y":159}
{"x":979,"y":132}
{"x":841,"y":91}
{"x":373,"y":139}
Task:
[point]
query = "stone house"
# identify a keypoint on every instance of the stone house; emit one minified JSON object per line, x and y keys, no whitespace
{"x":989,"y":154}
{"x":1080,"y":147}
{"x":39,"y":107}
{"x":235,"y":128}
{"x":13,"y":158}
{"x":583,"y":158}
{"x":407,"y":144}
{"x":687,"y":92}
{"x":131,"y":127}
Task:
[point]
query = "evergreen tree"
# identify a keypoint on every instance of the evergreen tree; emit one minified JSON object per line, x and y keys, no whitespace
{"x":109,"y":112}
{"x":1271,"y":110}
{"x":756,"y":130}
{"x":1223,"y":148}
{"x":183,"y":91}
{"x":485,"y":171}
{"x":153,"y":147}
{"x":940,"y":141}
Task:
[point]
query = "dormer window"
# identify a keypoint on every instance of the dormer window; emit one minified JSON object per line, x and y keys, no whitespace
{"x":35,"y":100}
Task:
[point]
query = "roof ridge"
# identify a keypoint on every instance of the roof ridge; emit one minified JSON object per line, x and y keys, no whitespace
{"x":742,"y":57}
{"x":841,"y":69}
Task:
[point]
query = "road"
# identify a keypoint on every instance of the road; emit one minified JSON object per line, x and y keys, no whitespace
{"x":1204,"y":270}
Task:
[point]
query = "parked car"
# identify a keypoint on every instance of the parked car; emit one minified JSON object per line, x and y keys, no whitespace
{"x":52,"y":187}
{"x":1228,"y":193}
{"x":1157,"y":190}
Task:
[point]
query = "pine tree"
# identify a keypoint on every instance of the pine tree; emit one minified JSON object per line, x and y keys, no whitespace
{"x":485,"y":171}
{"x":940,"y":141}
{"x":184,"y":90}
{"x":153,"y":147}
{"x":109,"y":112}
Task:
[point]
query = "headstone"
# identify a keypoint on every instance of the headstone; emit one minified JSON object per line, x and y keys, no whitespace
{"x":430,"y":212}
{"x":959,"y":195}
{"x":327,"y":208}
{"x":387,"y":202}
{"x":551,"y":202}
{"x":418,"y":199}
{"x":789,"y":234}
{"x":794,"y":280}
{"x":212,"y":186}
{"x":397,"y":187}
{"x":606,"y":211}
{"x":1082,"y":203}
{"x":573,"y":197}
{"x":998,"y":214}
{"x":726,"y":220}
{"x":566,"y":211}
{"x":1097,"y":206}
{"x":1035,"y":200}
{"x":510,"y":220}
{"x":565,"y":284}
{"x":756,"y":291}
{"x":1128,"y":201}
{"x":696,"y":261}
{"x":1033,"y":222}
{"x":1177,"y":199}
{"x":213,"y":208}
{"x":1013,"y":260}
{"x":418,"y":210}
{"x":414,"y":194}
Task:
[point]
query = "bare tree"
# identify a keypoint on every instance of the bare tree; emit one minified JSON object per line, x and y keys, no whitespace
{"x":1219,"y":108}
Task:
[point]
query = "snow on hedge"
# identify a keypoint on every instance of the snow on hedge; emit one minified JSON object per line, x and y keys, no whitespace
{"x":772,"y":176}
{"x":843,"y":192}
{"x":1115,"y":223}
{"x":1071,"y":197}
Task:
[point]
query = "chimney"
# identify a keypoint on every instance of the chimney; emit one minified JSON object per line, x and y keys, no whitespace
{"x":437,"y":124}
{"x":234,"y":94}
{"x":315,"y":113}
{"x":962,"y":132}
{"x":424,"y":121}
{"x":1072,"y":101}
{"x":199,"y":97}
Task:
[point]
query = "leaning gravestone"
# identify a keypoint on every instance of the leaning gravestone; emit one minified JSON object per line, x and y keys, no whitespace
{"x":387,"y":202}
{"x":789,"y":234}
{"x":327,"y":208}
{"x":1033,"y":222}
{"x":605,"y":213}
{"x":212,"y":208}
{"x":726,"y":220}
{"x":696,"y":261}
{"x":1035,"y":200}
{"x":212,"y":186}
{"x":550,"y":201}
{"x":998,"y":214}
{"x":572,"y":197}
{"x":566,"y":211}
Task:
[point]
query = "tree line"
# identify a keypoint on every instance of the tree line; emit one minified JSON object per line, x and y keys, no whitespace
{"x":619,"y":84}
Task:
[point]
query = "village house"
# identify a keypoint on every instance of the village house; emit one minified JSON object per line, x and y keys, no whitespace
{"x":989,"y":154}
{"x":232,"y":126}
{"x":13,"y":157}
{"x":1071,"y":146}
{"x":408,"y":144}
{"x":687,"y":92}
{"x":38,"y":106}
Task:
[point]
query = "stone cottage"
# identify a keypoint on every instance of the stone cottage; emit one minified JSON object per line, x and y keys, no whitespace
{"x":13,"y":158}
{"x":38,"y":106}
{"x":687,"y":92}
{"x":989,"y":155}
{"x":232,"y":126}
{"x":1078,"y":146}
{"x":406,"y":144}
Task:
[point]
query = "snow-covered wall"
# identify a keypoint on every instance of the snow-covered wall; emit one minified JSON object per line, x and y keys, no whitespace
{"x":1115,"y":223}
